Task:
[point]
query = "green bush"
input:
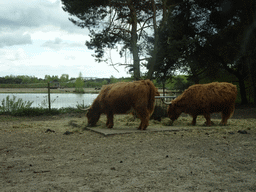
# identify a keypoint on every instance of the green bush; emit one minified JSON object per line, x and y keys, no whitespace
{"x":35,"y":112}
{"x":79,"y":84}
{"x":10,"y":105}
{"x":34,"y":85}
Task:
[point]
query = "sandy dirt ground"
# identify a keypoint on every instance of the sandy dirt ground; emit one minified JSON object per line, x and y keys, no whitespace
{"x":216,"y":158}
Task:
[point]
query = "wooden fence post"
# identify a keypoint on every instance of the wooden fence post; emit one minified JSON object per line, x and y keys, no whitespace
{"x":49,"y":99}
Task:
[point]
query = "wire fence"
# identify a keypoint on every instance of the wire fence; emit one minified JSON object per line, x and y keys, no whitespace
{"x":59,"y":97}
{"x":48,"y":97}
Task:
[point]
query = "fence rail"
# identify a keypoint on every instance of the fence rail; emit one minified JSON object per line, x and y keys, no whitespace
{"x":52,"y":98}
{"x":164,"y":97}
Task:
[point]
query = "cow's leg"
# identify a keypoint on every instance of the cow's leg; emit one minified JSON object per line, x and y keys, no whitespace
{"x":110,"y":122}
{"x":143,"y":123}
{"x":226,"y":113}
{"x":144,"y":118}
{"x":194,"y":120}
{"x":140,"y":126}
{"x":224,"y":118}
{"x":208,"y":119}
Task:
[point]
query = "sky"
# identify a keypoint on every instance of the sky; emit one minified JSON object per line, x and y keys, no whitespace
{"x":37,"y":39}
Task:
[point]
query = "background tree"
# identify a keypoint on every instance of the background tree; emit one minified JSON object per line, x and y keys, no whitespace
{"x":215,"y":31}
{"x":125,"y":23}
{"x":111,"y":23}
{"x":161,"y":10}
{"x":230,"y":19}
{"x":181,"y":83}
{"x":79,"y":84}
{"x":49,"y":78}
{"x":168,"y":55}
{"x":64,"y":78}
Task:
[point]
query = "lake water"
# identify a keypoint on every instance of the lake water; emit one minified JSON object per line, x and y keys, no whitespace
{"x":58,"y":100}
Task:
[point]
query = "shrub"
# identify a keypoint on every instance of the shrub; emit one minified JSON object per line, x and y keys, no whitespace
{"x":10,"y":105}
{"x":35,"y":112}
{"x":23,"y":108}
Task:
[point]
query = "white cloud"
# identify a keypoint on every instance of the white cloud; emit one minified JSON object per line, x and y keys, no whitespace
{"x":35,"y":13}
{"x":19,"y":13}
{"x":16,"y":38}
{"x":15,"y":55}
{"x":36,"y":38}
{"x":58,"y":44}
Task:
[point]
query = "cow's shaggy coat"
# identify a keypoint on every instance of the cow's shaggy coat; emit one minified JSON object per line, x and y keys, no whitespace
{"x":120,"y":98}
{"x":204,"y":99}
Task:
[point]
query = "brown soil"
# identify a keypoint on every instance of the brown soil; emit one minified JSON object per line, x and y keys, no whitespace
{"x":199,"y":159}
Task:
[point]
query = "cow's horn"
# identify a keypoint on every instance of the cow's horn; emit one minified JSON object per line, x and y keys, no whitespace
{"x":167,"y":103}
{"x":84,"y":109}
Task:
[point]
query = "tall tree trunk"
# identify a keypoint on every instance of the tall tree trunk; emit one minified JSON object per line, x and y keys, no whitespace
{"x":239,"y":73}
{"x":248,"y":50}
{"x":252,"y":71}
{"x":242,"y":90}
{"x":194,"y":76}
{"x":253,"y":64}
{"x":134,"y":38}
{"x":240,"y":78}
{"x":155,"y":51}
{"x":153,"y":60}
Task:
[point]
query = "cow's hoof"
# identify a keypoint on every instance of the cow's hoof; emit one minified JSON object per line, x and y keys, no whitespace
{"x":205,"y":124}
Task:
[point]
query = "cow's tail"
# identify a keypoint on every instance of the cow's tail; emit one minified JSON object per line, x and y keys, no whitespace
{"x":151,"y":97}
{"x":232,"y":110}
{"x":234,"y":99}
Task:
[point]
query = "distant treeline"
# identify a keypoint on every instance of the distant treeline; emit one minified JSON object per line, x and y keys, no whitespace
{"x":23,"y":79}
{"x":19,"y":80}
{"x":178,"y":83}
{"x":63,"y":81}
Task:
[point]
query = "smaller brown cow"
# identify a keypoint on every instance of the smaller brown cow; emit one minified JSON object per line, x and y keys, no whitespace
{"x":204,"y":99}
{"x":121,"y":98}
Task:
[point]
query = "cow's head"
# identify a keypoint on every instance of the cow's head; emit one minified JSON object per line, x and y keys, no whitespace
{"x":93,"y":113}
{"x":173,"y":112}
{"x":93,"y":116}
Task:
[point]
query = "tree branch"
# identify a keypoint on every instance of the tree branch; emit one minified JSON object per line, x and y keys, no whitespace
{"x":143,"y":26}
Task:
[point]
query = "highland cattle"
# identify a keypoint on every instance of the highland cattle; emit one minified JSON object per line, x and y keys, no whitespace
{"x":204,"y":99}
{"x":122,"y":98}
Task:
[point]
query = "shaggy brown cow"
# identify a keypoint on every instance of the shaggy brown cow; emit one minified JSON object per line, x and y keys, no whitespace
{"x":204,"y":99}
{"x":122,"y":97}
